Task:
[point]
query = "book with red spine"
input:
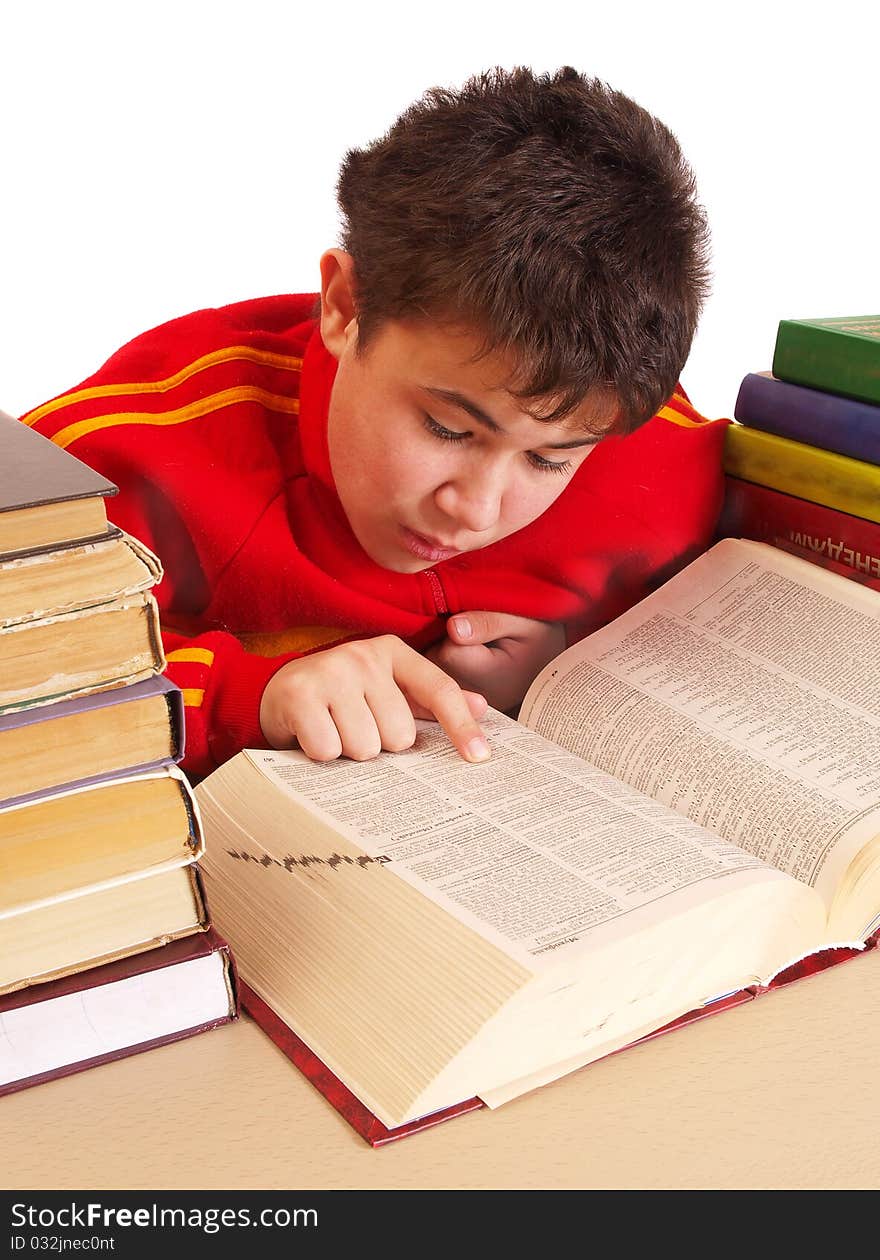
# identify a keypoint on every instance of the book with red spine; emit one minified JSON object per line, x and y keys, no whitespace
{"x":121,"y":1008}
{"x":835,"y":540}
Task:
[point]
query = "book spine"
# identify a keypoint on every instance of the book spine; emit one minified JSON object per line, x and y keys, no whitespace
{"x":818,"y":533}
{"x":809,"y":415}
{"x":177,"y":723}
{"x":93,"y":780}
{"x":828,"y":358}
{"x":837,"y":481}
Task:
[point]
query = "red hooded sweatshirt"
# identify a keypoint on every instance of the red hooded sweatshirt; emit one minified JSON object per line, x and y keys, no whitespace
{"x":214,"y":427}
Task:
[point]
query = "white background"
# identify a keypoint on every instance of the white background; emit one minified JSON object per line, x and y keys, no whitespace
{"x":156,"y":157}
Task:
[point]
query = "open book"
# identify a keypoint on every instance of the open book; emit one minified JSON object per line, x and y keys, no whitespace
{"x":689,"y":803}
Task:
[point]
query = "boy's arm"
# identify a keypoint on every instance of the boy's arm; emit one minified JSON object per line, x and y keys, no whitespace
{"x":353,"y":699}
{"x":222,"y":686}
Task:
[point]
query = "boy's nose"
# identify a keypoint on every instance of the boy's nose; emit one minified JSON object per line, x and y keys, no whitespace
{"x":473,"y":503}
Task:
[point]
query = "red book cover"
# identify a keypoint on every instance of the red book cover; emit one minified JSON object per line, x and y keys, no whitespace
{"x":834,"y":540}
{"x":164,"y":958}
{"x":338,"y":1095}
{"x":376,"y":1133}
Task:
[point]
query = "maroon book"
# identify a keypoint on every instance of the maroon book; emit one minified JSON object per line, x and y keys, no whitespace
{"x":119,"y":1008}
{"x":834,"y":540}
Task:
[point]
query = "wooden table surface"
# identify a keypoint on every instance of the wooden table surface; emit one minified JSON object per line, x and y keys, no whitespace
{"x":782,"y":1092}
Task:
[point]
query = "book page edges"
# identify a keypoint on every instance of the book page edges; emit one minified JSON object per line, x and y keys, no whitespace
{"x":195,"y":841}
{"x":201,"y":924}
{"x":340,"y":1097}
{"x":133,"y":669}
{"x":369,"y":1127}
{"x":145,"y":560}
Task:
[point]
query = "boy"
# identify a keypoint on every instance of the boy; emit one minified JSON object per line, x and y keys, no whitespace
{"x":521,"y":271}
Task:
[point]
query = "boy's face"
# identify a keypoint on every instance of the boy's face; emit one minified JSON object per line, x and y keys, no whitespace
{"x":432,"y":456}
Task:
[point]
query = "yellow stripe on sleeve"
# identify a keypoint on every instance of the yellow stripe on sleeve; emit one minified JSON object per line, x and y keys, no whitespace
{"x":193,"y":697}
{"x":204,"y":406}
{"x":230,"y":353}
{"x":202,"y":655}
{"x":678,"y":417}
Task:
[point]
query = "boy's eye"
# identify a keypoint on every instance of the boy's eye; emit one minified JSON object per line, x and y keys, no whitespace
{"x":538,"y":462}
{"x":446,"y":435}
{"x":549,"y":465}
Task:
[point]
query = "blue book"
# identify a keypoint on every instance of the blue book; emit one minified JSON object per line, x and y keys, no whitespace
{"x":811,"y":416}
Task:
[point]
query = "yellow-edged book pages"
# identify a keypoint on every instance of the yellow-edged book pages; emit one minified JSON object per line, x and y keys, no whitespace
{"x":76,"y":653}
{"x":95,"y":872}
{"x":49,"y":583}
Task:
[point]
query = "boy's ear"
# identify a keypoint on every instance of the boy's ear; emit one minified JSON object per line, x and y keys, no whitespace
{"x":338,"y":315}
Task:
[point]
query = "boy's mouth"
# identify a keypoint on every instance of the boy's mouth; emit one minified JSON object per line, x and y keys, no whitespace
{"x":425,"y":548}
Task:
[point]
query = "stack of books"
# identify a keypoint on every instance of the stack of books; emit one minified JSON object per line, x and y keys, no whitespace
{"x":803,"y":463}
{"x":105,"y":943}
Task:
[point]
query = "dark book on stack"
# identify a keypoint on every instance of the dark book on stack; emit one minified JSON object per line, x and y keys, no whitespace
{"x":48,"y":498}
{"x":829,"y":422}
{"x":76,"y":612}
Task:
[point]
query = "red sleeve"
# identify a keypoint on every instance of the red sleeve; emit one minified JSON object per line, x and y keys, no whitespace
{"x":222,"y":687}
{"x":161,"y":502}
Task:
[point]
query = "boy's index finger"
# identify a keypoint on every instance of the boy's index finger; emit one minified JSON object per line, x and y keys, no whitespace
{"x":441,"y":695}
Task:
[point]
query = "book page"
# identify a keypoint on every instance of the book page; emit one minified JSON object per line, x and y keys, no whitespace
{"x":534,"y":850}
{"x":745,"y":694}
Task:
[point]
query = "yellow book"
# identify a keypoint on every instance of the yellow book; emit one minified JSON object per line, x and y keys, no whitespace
{"x":97,"y":872}
{"x":837,"y":481}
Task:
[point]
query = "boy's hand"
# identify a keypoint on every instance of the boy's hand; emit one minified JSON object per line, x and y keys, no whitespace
{"x":358,"y":698}
{"x":499,"y":656}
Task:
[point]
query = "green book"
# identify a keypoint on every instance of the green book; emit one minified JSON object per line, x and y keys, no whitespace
{"x":839,"y":356}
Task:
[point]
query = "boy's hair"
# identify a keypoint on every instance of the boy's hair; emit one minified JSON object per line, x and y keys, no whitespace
{"x":549,"y":213}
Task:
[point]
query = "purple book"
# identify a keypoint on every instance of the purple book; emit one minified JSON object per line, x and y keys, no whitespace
{"x":828,"y":421}
{"x":80,"y":720}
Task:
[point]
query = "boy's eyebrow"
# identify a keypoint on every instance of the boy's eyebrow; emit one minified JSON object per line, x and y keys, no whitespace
{"x":478,"y":414}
